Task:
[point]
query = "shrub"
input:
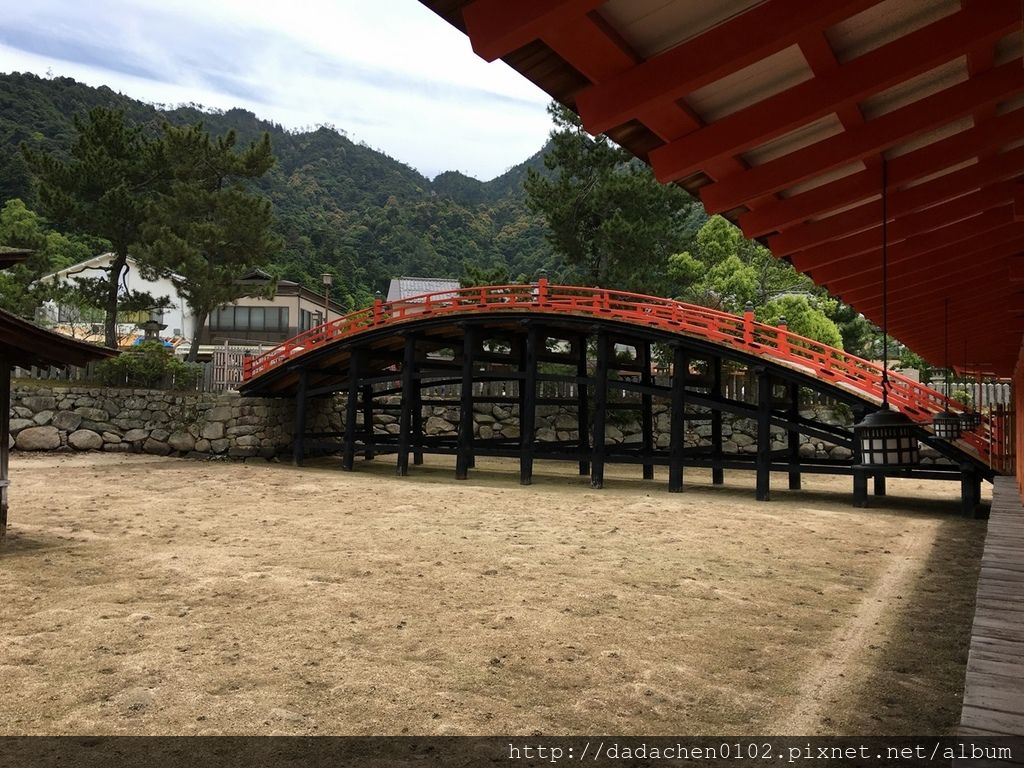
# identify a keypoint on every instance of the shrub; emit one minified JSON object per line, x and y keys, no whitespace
{"x":148,"y":365}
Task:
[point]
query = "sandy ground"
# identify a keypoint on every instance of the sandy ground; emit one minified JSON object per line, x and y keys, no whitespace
{"x":143,"y":595}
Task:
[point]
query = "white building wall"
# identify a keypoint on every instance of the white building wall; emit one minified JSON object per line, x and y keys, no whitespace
{"x":176,"y":317}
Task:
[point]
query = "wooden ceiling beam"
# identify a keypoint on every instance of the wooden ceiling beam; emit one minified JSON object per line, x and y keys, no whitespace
{"x":863,"y":185}
{"x":864,"y":76}
{"x":875,"y":136}
{"x":913,"y":225}
{"x":928,"y":282}
{"x":905,"y":277}
{"x":901,"y":202}
{"x":498,"y":27}
{"x":988,"y":229}
{"x":729,"y":47}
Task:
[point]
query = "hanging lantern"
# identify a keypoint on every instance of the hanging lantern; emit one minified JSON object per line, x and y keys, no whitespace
{"x":969,"y":421}
{"x":887,"y":439}
{"x":946,"y":426}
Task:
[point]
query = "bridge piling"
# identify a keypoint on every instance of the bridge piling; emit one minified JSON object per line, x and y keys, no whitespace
{"x":406,"y":418}
{"x":352,"y":408}
{"x":717,"y":471}
{"x":528,"y":405}
{"x":646,"y":409}
{"x":793,"y":437}
{"x":764,"y":436}
{"x":597,"y":455}
{"x":465,"y":446}
{"x":680,"y":367}
{"x":582,"y":405}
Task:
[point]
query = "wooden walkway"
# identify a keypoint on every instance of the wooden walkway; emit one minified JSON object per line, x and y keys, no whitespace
{"x":994,"y":688}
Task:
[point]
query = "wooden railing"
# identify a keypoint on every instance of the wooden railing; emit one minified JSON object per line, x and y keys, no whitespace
{"x":740,"y":333}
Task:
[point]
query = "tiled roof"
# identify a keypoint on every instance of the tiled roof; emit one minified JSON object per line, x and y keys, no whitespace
{"x":402,"y":288}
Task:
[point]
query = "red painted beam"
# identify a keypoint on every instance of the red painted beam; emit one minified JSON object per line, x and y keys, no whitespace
{"x":991,"y":228}
{"x":729,"y":47}
{"x":864,"y":76}
{"x":912,"y":225}
{"x":599,"y":54}
{"x":498,"y":27}
{"x":863,"y":185}
{"x":909,"y":275}
{"x":901,"y":202}
{"x":874,"y":136}
{"x":931,"y":281}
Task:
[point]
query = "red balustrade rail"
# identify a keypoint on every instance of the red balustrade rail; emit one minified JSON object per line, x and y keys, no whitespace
{"x":740,"y":333}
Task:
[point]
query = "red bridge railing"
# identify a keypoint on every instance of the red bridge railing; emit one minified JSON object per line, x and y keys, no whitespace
{"x":740,"y":333}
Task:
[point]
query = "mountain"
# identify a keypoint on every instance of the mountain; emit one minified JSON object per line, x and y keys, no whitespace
{"x":340,"y":205}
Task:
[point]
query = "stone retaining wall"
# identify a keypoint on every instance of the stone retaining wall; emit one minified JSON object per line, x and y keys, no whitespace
{"x":228,"y":425}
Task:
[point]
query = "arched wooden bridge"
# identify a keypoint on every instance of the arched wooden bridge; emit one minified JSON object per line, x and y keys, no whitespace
{"x":591,"y":338}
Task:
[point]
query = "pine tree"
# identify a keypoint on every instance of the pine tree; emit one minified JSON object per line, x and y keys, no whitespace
{"x":208,"y":229}
{"x":102,"y":190}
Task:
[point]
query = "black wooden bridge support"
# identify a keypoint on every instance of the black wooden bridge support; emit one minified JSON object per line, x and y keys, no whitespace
{"x":609,"y":369}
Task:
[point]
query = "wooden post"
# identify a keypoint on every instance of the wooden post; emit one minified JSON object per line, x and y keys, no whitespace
{"x":417,"y":418}
{"x":465,"y":449}
{"x":5,"y":430}
{"x":764,"y":435}
{"x":677,"y":436}
{"x":717,"y":471}
{"x":597,"y":454}
{"x":355,"y":366}
{"x":408,"y":403}
{"x":582,"y":407}
{"x":879,"y":484}
{"x":368,"y":421}
{"x":793,"y":437}
{"x":860,"y":474}
{"x":646,"y":411}
{"x":299,"y":434}
{"x":528,"y":405}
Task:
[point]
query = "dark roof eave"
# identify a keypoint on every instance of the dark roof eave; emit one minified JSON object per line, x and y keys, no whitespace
{"x":24,"y":344}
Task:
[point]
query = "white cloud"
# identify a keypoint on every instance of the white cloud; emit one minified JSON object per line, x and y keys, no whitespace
{"x":390,"y":73}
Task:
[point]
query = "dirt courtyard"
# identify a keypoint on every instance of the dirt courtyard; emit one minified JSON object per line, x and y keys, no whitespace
{"x":145,"y":595}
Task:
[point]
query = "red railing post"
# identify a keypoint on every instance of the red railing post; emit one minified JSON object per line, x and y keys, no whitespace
{"x":748,"y":323}
{"x":247,"y":365}
{"x":377,"y":309}
{"x":542,"y":291}
{"x":783,"y":337}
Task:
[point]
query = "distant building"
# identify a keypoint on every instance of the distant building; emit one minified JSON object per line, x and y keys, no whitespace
{"x":404,"y":290}
{"x":253,"y":321}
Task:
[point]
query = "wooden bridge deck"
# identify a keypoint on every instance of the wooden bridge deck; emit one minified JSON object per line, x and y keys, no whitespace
{"x":994,"y":688}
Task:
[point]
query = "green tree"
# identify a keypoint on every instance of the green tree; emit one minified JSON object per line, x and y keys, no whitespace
{"x":102,"y":190}
{"x":607,"y":215}
{"x":51,"y":251}
{"x":803,"y":316}
{"x":208,"y":228}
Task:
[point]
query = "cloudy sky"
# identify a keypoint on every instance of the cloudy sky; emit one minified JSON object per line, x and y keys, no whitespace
{"x":388,"y":72}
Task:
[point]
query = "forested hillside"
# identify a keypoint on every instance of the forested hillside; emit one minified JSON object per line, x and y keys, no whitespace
{"x":340,"y":206}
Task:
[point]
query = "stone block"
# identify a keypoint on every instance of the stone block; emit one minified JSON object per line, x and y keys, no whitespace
{"x":212,"y":430}
{"x":16,"y":425}
{"x":37,"y":439}
{"x":133,"y":435}
{"x":92,"y":414}
{"x":181,"y":441}
{"x":156,"y":447}
{"x":85,"y":440}
{"x":43,"y":418}
{"x":40,"y":403}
